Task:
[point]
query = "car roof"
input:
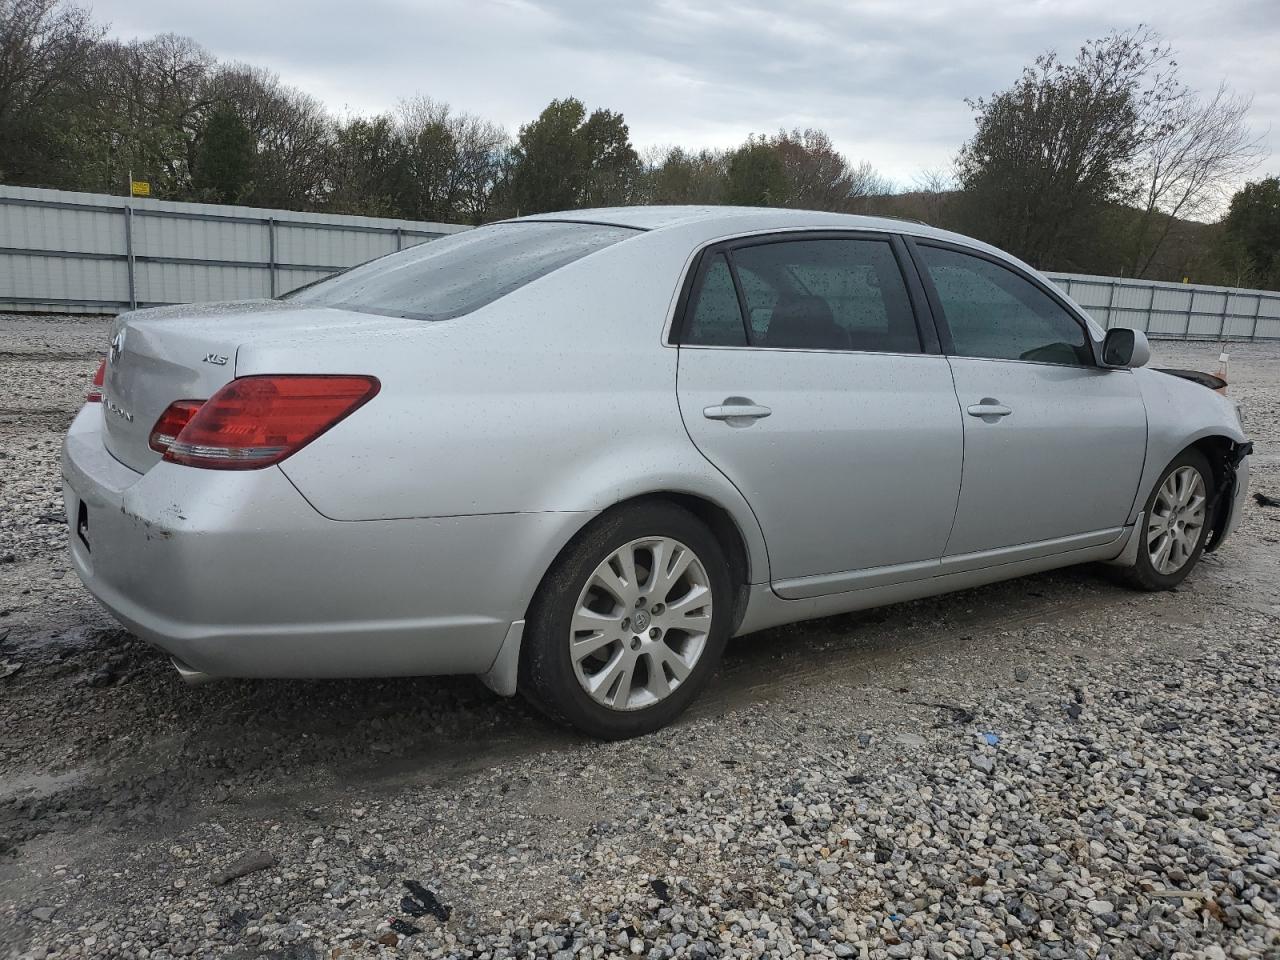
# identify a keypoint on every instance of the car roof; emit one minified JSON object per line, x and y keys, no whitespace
{"x":704,"y":224}
{"x":747,"y":219}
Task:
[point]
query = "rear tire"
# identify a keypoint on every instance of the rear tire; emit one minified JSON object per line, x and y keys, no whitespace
{"x":629,"y":623}
{"x":1175,"y":524}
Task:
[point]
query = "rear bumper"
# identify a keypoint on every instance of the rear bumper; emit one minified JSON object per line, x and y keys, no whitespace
{"x":235,"y":574}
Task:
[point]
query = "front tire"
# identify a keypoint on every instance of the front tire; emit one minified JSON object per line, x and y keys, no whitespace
{"x":629,"y":623}
{"x":1175,"y":524}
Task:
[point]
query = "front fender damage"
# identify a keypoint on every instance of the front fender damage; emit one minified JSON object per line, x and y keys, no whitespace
{"x":1226,"y":465}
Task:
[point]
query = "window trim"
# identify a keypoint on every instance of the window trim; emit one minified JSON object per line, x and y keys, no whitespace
{"x":922,"y":315}
{"x":914,"y":244}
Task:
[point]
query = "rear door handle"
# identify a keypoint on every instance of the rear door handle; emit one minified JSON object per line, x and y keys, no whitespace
{"x":988,"y":407}
{"x":736,"y":408}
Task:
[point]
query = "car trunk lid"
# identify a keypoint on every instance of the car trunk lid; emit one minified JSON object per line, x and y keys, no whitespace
{"x":187,"y":352}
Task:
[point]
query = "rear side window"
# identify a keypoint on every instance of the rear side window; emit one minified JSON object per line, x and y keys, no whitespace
{"x":462,"y":272}
{"x":995,"y":313}
{"x":716,"y":320}
{"x":828,"y":294}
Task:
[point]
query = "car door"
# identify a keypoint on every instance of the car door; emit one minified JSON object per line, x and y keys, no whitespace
{"x":1053,"y":443}
{"x":804,"y":378}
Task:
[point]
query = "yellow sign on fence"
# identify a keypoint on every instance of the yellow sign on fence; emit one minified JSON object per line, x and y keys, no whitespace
{"x":140,"y":188}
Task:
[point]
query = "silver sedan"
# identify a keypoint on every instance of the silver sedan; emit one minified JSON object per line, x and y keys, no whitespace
{"x":575,"y":453}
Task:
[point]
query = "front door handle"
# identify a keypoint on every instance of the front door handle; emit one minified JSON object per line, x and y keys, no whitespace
{"x":736,"y":408}
{"x":989,"y":409}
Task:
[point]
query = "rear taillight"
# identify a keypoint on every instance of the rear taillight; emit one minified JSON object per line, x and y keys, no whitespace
{"x":99,"y":378}
{"x":257,"y":421}
{"x":171,"y":423}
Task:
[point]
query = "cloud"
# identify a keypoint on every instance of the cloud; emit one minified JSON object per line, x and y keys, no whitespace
{"x":887,"y":80}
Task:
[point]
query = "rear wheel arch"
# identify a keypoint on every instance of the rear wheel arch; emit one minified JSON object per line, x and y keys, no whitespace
{"x":729,"y":535}
{"x":549,"y":673}
{"x":717,"y":518}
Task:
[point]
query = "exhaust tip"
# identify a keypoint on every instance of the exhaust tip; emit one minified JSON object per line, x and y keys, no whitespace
{"x":191,"y":676}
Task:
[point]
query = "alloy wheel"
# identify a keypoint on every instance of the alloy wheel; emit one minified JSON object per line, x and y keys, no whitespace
{"x":1177,"y":519}
{"x":641,"y":623}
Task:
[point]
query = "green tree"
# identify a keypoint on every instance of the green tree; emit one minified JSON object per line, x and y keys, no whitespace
{"x":1054,"y":151}
{"x":675,"y":175}
{"x":367,"y":168}
{"x":225,"y":158}
{"x":565,"y":159}
{"x":612,"y":165}
{"x":756,"y":176}
{"x":453,"y":159}
{"x":1250,"y":245}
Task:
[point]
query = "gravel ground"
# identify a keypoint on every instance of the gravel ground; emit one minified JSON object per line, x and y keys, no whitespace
{"x":1051,"y":767}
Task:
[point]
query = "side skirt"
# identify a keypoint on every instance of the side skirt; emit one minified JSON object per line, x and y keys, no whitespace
{"x":766,"y":609}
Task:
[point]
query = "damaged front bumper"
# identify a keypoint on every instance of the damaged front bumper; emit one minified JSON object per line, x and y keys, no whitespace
{"x":1229,"y":498}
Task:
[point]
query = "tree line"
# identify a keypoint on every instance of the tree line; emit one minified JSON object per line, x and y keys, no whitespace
{"x":1103,"y":163}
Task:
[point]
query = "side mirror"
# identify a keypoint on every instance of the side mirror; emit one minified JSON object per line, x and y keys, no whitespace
{"x":1125,"y":348}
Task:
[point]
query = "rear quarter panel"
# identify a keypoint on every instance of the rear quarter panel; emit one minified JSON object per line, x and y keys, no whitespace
{"x":557,"y":397}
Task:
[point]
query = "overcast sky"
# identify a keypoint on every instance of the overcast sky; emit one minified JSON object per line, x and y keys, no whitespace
{"x":887,"y":80}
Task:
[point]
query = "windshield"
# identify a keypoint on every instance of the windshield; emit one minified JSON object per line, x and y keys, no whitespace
{"x":462,"y":272}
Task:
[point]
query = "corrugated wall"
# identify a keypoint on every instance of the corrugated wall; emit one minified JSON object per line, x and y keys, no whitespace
{"x":93,"y":253}
{"x":1177,"y":310}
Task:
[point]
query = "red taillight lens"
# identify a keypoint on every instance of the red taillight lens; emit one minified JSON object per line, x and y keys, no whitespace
{"x":171,"y":423}
{"x":99,"y":378}
{"x":257,"y":421}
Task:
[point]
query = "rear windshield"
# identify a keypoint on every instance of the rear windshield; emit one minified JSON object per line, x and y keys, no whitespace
{"x":461,"y":272}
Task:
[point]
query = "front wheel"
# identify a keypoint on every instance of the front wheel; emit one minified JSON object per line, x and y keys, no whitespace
{"x":1175,"y":524}
{"x":629,"y":623}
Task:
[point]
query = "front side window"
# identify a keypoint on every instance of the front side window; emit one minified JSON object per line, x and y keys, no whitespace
{"x":995,"y":313}
{"x":828,"y":294}
{"x":445,"y":278}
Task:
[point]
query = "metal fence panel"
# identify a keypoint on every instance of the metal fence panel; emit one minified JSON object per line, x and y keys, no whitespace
{"x":50,"y":278}
{"x":1179,"y":310}
{"x":93,"y":253}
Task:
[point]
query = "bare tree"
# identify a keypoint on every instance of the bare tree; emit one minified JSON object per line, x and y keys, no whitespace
{"x":1054,"y":152}
{"x":152,"y":102}
{"x":44,"y":49}
{"x":292,"y":132}
{"x":1194,"y":152}
{"x":820,"y":177}
{"x":455,"y":159}
{"x":934,"y":190}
